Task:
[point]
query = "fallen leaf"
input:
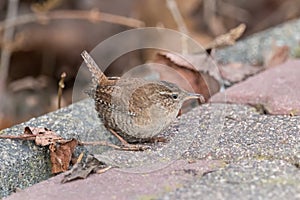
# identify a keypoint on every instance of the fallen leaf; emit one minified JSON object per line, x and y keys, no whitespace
{"x":236,"y":72}
{"x":61,"y":150}
{"x":277,"y":55}
{"x":61,"y":155}
{"x":43,"y":136}
{"x":83,"y":169}
{"x":227,"y":38}
{"x":197,"y":70}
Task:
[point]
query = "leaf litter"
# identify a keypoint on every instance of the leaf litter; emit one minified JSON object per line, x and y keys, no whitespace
{"x":61,"y":152}
{"x":202,"y":74}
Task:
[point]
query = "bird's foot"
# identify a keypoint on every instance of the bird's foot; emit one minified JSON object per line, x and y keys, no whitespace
{"x":134,"y":147}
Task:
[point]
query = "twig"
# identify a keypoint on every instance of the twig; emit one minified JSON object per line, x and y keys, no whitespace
{"x":8,"y":35}
{"x":101,"y":143}
{"x":209,"y":10}
{"x":104,"y":143}
{"x":92,"y":15}
{"x":105,"y":169}
{"x":79,"y":158}
{"x":172,"y":6}
{"x":18,"y":137}
{"x":61,"y":86}
{"x":62,"y":141}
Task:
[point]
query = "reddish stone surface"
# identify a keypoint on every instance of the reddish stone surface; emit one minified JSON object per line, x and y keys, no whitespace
{"x":277,"y":89}
{"x":118,"y":184}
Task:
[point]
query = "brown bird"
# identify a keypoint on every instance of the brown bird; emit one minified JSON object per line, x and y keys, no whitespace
{"x":134,"y":109}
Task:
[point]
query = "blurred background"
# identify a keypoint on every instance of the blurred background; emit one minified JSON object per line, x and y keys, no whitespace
{"x":41,"y":39}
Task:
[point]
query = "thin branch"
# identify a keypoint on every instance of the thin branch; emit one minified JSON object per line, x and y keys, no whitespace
{"x":104,"y":143}
{"x":105,"y":169}
{"x":209,"y":10}
{"x":92,"y":15}
{"x":101,"y":143}
{"x":79,"y":158}
{"x":172,"y":6}
{"x":61,"y":86}
{"x":18,"y":137}
{"x":8,"y":35}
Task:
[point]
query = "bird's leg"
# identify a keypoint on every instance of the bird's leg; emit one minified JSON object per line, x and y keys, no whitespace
{"x":126,"y":145}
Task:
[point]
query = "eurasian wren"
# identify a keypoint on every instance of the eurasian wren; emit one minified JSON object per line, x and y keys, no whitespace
{"x":135,"y":109}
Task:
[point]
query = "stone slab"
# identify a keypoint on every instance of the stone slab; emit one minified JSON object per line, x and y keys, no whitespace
{"x":276,"y":89}
{"x":232,"y":132}
{"x":119,"y":184}
{"x":247,"y":179}
{"x":213,"y":132}
{"x":254,"y":48}
{"x":228,"y":132}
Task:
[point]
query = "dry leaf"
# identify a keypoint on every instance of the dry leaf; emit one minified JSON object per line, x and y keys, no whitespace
{"x":61,"y":155}
{"x":43,"y":136}
{"x":228,"y":38}
{"x":236,"y":72}
{"x":201,"y":76}
{"x":82,"y":169}
{"x":277,"y":55}
{"x":61,"y":150}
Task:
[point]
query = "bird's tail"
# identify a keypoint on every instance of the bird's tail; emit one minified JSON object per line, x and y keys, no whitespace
{"x":98,"y":77}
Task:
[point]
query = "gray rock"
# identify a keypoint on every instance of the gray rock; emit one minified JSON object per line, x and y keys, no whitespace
{"x":118,"y":184}
{"x":253,"y":49}
{"x":233,"y":132}
{"x":23,"y":163}
{"x":247,"y":179}
{"x":211,"y":134}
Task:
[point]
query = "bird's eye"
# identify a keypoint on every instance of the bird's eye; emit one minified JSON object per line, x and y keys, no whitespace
{"x":174,"y":96}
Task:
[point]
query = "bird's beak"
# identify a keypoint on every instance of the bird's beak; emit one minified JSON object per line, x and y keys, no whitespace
{"x":195,"y":96}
